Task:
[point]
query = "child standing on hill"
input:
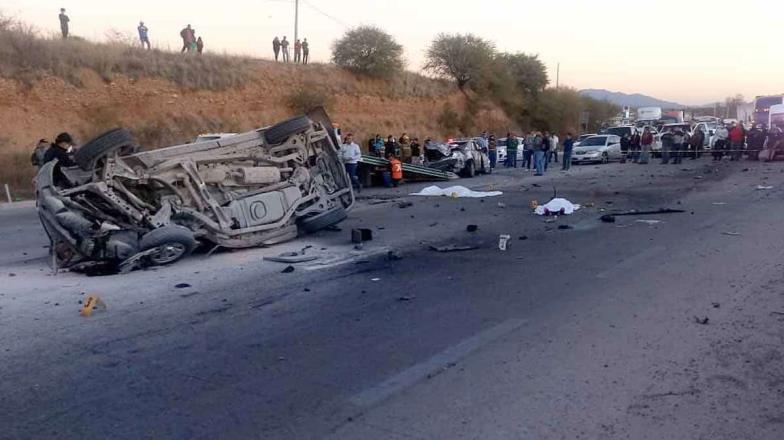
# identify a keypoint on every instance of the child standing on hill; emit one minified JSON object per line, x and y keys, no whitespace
{"x":199,"y":46}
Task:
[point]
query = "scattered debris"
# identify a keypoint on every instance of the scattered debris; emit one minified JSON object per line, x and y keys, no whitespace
{"x":649,"y":222}
{"x":472,"y":228}
{"x":589,"y":205}
{"x":702,"y":321}
{"x":455,"y":192}
{"x":394,"y":256}
{"x":292,"y":258}
{"x":182,"y":286}
{"x":732,"y":234}
{"x":288,"y":269}
{"x":333,"y":228}
{"x":453,"y":248}
{"x":503,"y":241}
{"x":90,"y":305}
{"x":716,"y":305}
{"x":404,"y":205}
{"x":375,"y":280}
{"x":557,"y":206}
{"x":188,"y":295}
{"x":11,"y":274}
{"x":763,"y":188}
{"x":407,"y":298}
{"x":719,"y":203}
{"x":523,"y":237}
{"x":699,"y":177}
{"x":433,"y":225}
{"x":610,"y":218}
{"x":361,"y":235}
{"x":565,"y":227}
{"x":501,"y":205}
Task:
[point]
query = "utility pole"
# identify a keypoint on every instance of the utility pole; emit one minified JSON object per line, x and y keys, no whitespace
{"x":558,"y":75}
{"x":296,"y":20}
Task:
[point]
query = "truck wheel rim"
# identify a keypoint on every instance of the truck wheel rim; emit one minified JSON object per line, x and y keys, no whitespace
{"x":168,"y":253}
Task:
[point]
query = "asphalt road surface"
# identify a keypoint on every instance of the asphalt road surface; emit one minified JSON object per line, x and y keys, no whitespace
{"x":596,"y":331}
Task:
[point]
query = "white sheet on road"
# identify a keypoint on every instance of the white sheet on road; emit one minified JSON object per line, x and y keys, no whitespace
{"x":555,"y":206}
{"x":456,"y":192}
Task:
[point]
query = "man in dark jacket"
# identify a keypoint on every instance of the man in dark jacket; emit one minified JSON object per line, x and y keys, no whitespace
{"x":64,"y":21}
{"x":626,"y":144}
{"x":667,"y":143}
{"x":568,"y":146}
{"x":634,"y":146}
{"x":61,"y":150}
{"x":755,"y":141}
{"x":276,"y":47}
{"x":511,"y":150}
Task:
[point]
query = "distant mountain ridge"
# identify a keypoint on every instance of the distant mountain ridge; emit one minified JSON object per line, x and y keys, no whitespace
{"x":634,"y":100}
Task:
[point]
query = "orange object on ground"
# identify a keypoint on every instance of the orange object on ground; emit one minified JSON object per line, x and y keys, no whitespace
{"x":90,"y":304}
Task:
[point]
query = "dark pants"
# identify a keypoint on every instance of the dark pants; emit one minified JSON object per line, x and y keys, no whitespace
{"x":527,"y":158}
{"x":145,"y":43}
{"x":305,"y":56}
{"x":737,"y":151}
{"x":277,"y":54}
{"x":493,"y":155}
{"x":718,"y":149}
{"x":511,"y":158}
{"x":567,"y":160}
{"x":624,"y":155}
{"x":554,"y":155}
{"x":351,"y":170}
{"x":64,"y":30}
{"x":635,"y":154}
{"x":546,"y":159}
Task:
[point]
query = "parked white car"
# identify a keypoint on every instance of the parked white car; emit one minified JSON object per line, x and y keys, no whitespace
{"x":600,"y":148}
{"x":709,"y":128}
{"x":501,"y":149}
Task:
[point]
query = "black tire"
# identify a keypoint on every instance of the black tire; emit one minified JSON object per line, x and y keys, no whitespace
{"x":470,"y":169}
{"x":323,"y":220}
{"x":175,"y":243}
{"x":278,"y":133}
{"x":103,"y":145}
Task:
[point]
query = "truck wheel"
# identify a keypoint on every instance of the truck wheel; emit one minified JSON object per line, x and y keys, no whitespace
{"x":103,"y":145}
{"x":323,"y":220}
{"x":278,"y":133}
{"x":171,"y":243}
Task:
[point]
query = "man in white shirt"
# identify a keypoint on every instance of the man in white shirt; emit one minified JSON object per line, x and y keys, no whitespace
{"x":554,"y":147}
{"x":351,"y":155}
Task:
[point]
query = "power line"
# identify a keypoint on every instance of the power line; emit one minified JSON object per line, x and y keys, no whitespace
{"x":316,"y":9}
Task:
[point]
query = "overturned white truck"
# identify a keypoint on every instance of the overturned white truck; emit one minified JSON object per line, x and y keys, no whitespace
{"x":153,"y":208}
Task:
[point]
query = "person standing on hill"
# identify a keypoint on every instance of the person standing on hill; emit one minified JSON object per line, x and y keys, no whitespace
{"x":305,"y":51}
{"x":143,"y":35}
{"x":199,"y":46}
{"x":276,"y":47}
{"x":64,"y":20}
{"x":297,"y":51}
{"x":284,"y":47}
{"x":188,"y":35}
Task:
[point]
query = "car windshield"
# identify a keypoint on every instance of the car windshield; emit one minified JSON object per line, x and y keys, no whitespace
{"x":596,"y":141}
{"x":584,"y":137}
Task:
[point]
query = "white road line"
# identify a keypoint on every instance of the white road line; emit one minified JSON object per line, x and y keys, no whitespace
{"x":409,"y":377}
{"x":632,"y":262}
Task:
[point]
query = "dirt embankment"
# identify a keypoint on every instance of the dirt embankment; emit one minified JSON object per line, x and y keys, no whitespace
{"x":366,"y":106}
{"x":162,"y":113}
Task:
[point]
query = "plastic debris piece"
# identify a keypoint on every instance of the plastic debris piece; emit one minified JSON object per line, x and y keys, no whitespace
{"x":90,"y":304}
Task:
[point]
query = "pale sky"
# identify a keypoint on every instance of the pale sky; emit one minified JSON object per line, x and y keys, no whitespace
{"x":689,"y":51}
